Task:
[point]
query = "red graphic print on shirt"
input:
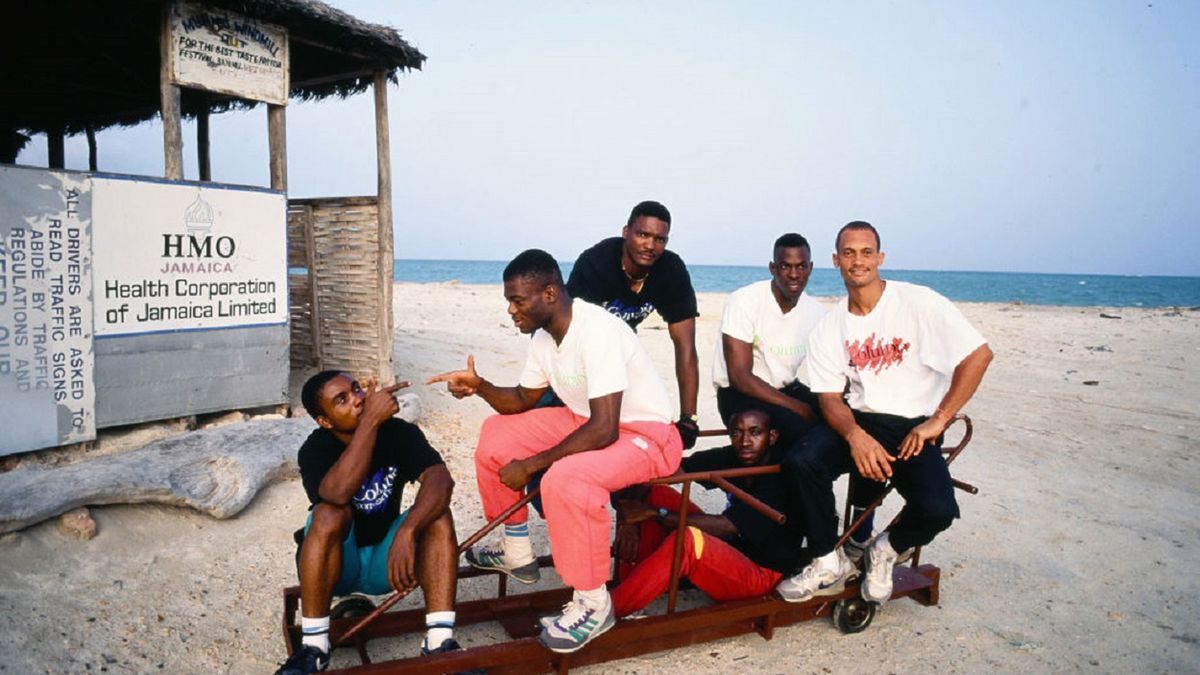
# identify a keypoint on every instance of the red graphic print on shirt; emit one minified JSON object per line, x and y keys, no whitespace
{"x":876,"y":354}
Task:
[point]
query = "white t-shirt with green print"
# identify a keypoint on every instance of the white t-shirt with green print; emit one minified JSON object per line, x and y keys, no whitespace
{"x":779,"y":341}
{"x":599,"y":355}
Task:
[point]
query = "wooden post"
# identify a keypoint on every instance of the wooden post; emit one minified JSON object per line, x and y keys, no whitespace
{"x":277,"y":141}
{"x":384,"y":200}
{"x":310,"y":259}
{"x":203,"y":160}
{"x":91,"y":140}
{"x":54,"y":148}
{"x":169,"y":103}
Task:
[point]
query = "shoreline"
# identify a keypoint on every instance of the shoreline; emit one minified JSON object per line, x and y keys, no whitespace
{"x":830,"y":298}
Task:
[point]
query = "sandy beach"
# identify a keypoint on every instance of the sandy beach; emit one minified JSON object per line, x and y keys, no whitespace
{"x":1079,"y":553}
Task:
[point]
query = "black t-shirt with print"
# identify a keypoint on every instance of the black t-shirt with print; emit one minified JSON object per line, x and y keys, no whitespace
{"x":597,"y":277}
{"x":761,"y":539}
{"x":401,"y":455}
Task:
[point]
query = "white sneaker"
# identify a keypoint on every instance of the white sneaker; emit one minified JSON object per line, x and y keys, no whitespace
{"x":578,"y":625}
{"x":826,"y":575}
{"x":493,"y":558}
{"x":855,"y":552}
{"x":881,"y":558}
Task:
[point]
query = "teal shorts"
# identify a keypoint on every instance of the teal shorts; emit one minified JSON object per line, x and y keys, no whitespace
{"x":364,"y":568}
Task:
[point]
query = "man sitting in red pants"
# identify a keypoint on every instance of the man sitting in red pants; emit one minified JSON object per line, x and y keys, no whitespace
{"x":614,"y":431}
{"x":738,"y":554}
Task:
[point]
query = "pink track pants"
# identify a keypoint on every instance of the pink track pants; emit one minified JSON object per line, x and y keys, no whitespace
{"x":575,"y":490}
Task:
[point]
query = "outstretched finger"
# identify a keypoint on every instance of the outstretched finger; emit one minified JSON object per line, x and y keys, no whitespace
{"x":371,"y":384}
{"x":399,"y":385}
{"x":471,"y":363}
{"x":442,"y":377}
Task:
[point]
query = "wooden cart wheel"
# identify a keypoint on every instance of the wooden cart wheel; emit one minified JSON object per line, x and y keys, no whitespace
{"x":352,"y":606}
{"x":853,"y":615}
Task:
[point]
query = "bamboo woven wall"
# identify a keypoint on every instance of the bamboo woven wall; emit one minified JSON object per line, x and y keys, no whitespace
{"x":341,"y":322}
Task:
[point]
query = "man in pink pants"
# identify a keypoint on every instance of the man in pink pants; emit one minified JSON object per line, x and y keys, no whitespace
{"x":614,"y":431}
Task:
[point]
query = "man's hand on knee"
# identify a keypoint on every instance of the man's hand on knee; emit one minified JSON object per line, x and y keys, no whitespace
{"x":871,"y":460}
{"x":402,"y":561}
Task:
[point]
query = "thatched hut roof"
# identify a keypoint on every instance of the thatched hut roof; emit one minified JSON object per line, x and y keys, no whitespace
{"x":75,"y":64}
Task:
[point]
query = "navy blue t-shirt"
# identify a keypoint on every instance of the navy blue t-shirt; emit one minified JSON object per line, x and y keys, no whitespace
{"x":401,"y":455}
{"x":597,"y":277}
{"x":767,"y":543}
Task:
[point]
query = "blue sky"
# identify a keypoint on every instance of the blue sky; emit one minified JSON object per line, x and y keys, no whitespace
{"x":1010,"y":136}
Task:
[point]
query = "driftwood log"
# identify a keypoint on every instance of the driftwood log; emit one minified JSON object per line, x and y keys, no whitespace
{"x":217,"y":471}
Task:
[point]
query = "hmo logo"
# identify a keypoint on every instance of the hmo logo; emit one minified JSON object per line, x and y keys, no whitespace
{"x":189,"y":246}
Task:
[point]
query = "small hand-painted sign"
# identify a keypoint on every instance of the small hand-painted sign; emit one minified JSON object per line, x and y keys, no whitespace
{"x":221,"y":51}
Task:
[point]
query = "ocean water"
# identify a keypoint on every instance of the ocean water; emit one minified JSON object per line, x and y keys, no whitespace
{"x":1081,"y":290}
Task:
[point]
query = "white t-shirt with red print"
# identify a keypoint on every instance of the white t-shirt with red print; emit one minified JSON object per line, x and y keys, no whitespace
{"x":899,"y":358}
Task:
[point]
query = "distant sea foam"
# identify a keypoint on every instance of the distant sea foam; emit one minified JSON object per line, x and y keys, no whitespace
{"x":1079,"y":290}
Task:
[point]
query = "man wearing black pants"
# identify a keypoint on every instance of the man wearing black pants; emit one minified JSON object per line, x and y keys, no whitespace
{"x":912,"y":361}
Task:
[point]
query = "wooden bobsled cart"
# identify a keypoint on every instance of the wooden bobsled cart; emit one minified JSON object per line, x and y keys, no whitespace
{"x":355,"y":620}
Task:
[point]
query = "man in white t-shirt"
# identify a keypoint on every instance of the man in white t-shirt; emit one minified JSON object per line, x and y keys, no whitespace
{"x":912,"y":360}
{"x":614,"y":431}
{"x":759,"y":359}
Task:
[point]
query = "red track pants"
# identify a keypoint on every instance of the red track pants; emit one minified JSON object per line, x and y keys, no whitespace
{"x":712,"y":565}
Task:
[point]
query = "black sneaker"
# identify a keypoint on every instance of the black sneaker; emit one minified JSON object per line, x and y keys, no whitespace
{"x":308,"y":659}
{"x":451,"y":645}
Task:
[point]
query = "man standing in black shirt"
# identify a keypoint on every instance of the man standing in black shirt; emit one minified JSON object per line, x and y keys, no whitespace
{"x":354,"y":467}
{"x":634,"y":275}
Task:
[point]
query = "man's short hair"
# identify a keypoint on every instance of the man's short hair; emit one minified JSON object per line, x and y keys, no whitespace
{"x":856,"y":225}
{"x":765,"y":414}
{"x":534,"y":264}
{"x":652,"y":209}
{"x":310,"y":395}
{"x":790,"y":240}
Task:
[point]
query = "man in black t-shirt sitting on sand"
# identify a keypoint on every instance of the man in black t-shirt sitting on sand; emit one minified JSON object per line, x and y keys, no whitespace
{"x":354,"y":467}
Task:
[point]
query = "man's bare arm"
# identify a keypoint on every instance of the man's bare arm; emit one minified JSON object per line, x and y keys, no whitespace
{"x":687,"y":364}
{"x":718,"y":526}
{"x":504,"y":400}
{"x":739,"y":361}
{"x":967,"y":376}
{"x":432,"y":500}
{"x":871,"y":460}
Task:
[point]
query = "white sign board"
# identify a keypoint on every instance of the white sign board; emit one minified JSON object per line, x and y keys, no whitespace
{"x":47,"y":393}
{"x":172,"y":257}
{"x":221,"y":51}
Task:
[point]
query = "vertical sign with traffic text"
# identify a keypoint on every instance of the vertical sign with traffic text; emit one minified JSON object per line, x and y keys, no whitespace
{"x":47,"y":394}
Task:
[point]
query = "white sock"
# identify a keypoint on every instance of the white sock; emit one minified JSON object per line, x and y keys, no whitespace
{"x":518,"y":550}
{"x":830,"y":561}
{"x":882,"y":542}
{"x":315,"y":632}
{"x":597,"y":598}
{"x":439,"y":627}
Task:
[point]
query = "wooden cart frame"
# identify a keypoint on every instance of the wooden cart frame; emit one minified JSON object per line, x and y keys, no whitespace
{"x":518,"y":614}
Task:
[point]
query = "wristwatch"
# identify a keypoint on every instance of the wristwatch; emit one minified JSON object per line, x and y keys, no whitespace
{"x":662,"y":513}
{"x":693,"y":418}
